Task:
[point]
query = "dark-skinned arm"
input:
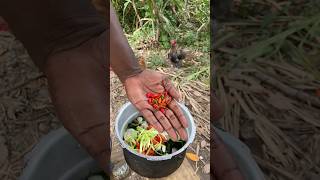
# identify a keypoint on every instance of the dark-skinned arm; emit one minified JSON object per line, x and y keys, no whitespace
{"x":122,"y":59}
{"x":67,"y":40}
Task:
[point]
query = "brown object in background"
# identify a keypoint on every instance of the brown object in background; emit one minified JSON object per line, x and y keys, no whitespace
{"x":176,"y":54}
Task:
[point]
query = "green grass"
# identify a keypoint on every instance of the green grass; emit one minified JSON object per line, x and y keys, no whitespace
{"x":189,"y":25}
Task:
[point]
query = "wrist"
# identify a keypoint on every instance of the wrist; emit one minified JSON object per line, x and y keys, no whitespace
{"x":131,"y":76}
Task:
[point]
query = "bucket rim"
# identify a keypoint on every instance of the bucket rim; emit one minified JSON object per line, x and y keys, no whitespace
{"x":156,"y":158}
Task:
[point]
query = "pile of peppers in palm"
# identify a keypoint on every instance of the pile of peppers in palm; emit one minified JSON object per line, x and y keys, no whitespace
{"x":146,"y":140}
{"x":159,"y":101}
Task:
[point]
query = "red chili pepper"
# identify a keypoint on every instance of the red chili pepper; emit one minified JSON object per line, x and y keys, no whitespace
{"x":157,"y":95}
{"x":149,"y":95}
{"x":162,"y":110}
{"x":155,"y":106}
{"x":150,"y":100}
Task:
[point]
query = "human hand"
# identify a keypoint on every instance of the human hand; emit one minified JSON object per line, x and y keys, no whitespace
{"x":151,"y":81}
{"x":78,"y":87}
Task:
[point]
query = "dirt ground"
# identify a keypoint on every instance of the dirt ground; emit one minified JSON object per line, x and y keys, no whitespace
{"x":26,"y":112}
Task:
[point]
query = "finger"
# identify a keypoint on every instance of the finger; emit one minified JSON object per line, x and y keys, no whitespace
{"x":178,"y":112}
{"x":168,"y":86}
{"x":146,"y":113}
{"x":176,"y":124}
{"x":166,"y":125}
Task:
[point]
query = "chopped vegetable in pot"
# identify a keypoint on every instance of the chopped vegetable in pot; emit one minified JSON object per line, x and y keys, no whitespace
{"x":146,"y":140}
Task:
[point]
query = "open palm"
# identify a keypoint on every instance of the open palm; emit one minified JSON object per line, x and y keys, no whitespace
{"x":173,"y":119}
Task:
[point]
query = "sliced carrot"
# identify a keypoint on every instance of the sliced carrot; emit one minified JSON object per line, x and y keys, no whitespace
{"x":150,"y":152}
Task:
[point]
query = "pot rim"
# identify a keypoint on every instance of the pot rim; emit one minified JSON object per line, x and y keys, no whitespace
{"x":157,"y":158}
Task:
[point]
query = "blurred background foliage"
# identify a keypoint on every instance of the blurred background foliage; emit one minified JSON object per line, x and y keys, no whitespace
{"x":160,"y":20}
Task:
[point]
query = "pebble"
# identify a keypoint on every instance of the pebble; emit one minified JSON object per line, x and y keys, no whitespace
{"x":120,"y":171}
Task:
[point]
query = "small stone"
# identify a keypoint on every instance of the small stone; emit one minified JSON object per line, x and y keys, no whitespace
{"x":120,"y":171}
{"x":203,"y":144}
{"x":95,"y":177}
{"x":201,"y":157}
{"x":206,"y":169}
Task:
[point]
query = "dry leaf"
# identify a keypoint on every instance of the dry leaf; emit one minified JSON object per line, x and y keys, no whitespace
{"x":192,"y":156}
{"x":206,"y":169}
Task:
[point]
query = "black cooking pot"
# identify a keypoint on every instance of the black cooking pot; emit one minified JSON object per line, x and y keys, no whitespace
{"x":151,"y":166}
{"x":153,"y":169}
